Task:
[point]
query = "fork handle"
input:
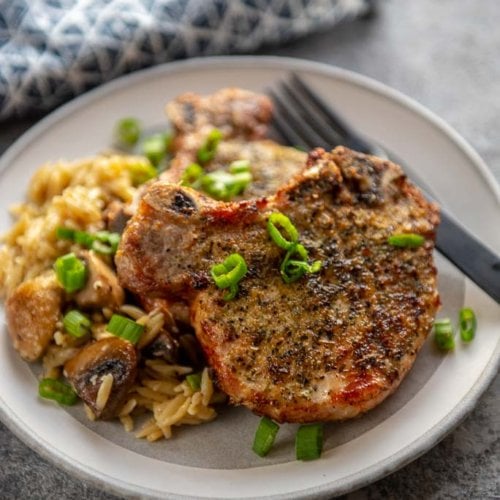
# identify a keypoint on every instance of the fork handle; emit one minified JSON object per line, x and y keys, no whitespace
{"x":469,"y":254}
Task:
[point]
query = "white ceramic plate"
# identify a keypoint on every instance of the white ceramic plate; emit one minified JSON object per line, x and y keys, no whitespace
{"x":215,"y":460}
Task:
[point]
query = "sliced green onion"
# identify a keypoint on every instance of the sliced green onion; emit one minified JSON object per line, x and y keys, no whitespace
{"x":155,"y":147}
{"x":216,"y":184}
{"x":192,"y":175}
{"x":223,"y":185}
{"x":293,"y":269}
{"x":239,"y":166}
{"x":309,"y":442}
{"x":443,"y":334}
{"x":50,"y":388}
{"x":315,"y":266}
{"x":207,"y":152}
{"x":106,"y":242}
{"x":101,"y":242}
{"x":295,"y":264}
{"x":229,"y":274}
{"x":65,"y":233}
{"x":76,"y":324}
{"x":233,"y":291}
{"x":468,"y":324}
{"x":125,"y":328}
{"x":239,"y":182}
{"x":406,"y":240}
{"x":141,"y":172}
{"x":194,"y":381}
{"x":279,"y":219}
{"x":71,"y":272}
{"x":83,"y":238}
{"x":128,"y":131}
{"x":265,"y":436}
{"x":219,"y":184}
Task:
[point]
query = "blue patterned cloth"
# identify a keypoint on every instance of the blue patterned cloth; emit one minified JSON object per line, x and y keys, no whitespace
{"x":52,"y":50}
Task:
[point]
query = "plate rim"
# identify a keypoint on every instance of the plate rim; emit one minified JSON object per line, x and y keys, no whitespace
{"x":356,"y":480}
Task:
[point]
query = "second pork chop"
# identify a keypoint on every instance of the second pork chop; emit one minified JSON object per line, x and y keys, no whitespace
{"x":329,"y":346}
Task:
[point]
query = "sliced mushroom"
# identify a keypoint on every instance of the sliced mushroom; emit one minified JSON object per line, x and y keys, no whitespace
{"x":94,"y":365}
{"x":164,"y":346}
{"x":102,"y":288}
{"x":32,"y":312}
{"x":116,"y":216}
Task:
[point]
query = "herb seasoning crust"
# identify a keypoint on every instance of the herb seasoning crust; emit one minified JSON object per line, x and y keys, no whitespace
{"x":329,"y":346}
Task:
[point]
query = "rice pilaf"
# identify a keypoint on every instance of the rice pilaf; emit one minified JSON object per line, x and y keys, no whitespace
{"x":75,"y":195}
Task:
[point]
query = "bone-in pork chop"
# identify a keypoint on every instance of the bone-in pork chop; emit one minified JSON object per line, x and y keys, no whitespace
{"x":235,"y":112}
{"x":329,"y":346}
{"x":242,"y":117}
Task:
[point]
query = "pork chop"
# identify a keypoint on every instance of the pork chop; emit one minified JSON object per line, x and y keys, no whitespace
{"x":329,"y":346}
{"x":235,"y":112}
{"x":242,"y":117}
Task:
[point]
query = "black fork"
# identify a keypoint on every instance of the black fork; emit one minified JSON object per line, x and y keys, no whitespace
{"x":303,"y":119}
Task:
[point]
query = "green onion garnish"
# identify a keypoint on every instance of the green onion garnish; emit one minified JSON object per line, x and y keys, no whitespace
{"x":65,"y":233}
{"x":194,"y":381}
{"x":219,"y":184}
{"x":309,"y":442}
{"x":76,"y":324}
{"x":223,"y":185}
{"x":125,"y":328}
{"x":207,"y":152}
{"x":141,"y":172}
{"x":191,"y":175}
{"x":468,"y":324}
{"x":406,"y":240}
{"x":279,"y":219}
{"x":102,"y":242}
{"x":443,"y":334}
{"x":229,"y":273}
{"x":83,"y":238}
{"x":294,"y":265}
{"x":293,"y":269}
{"x":155,"y":147}
{"x":265,"y":436}
{"x":128,"y":131}
{"x":71,"y":272}
{"x":50,"y":388}
{"x":239,"y":166}
{"x":105,"y":242}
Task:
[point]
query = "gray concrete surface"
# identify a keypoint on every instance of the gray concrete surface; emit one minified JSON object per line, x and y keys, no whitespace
{"x":446,"y":55}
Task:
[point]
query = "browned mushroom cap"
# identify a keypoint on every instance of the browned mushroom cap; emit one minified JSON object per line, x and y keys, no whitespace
{"x":108,"y":361}
{"x":32,"y":312}
{"x":102,"y":288}
{"x":116,"y":216}
{"x":164,"y":346}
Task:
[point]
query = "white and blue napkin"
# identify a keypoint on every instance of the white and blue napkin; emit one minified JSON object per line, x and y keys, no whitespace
{"x":52,"y":50}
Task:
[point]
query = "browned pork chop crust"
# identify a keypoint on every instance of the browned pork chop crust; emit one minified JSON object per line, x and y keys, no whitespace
{"x":235,"y":112}
{"x":329,"y":346}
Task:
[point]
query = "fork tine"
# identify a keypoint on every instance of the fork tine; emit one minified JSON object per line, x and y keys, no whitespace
{"x":311,"y":117}
{"x":351,"y":139}
{"x":296,"y":122}
{"x":286,"y":132}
